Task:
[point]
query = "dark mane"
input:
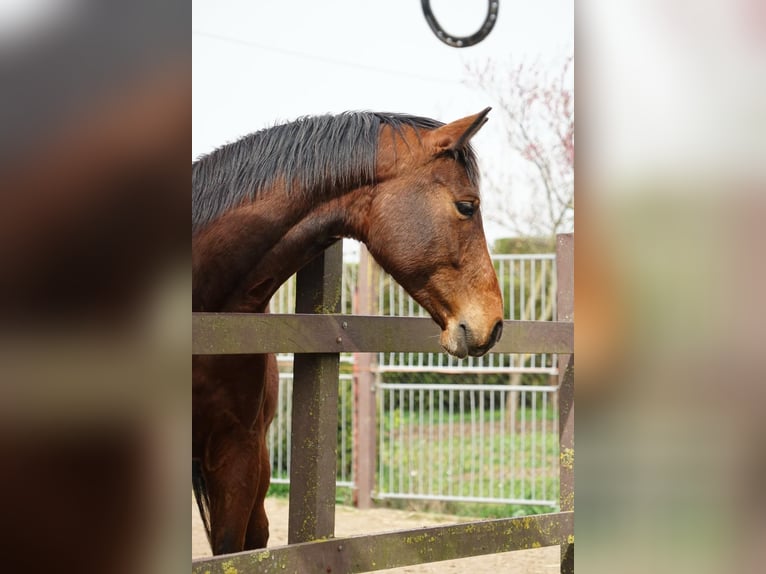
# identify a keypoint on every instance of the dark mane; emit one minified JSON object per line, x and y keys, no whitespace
{"x":312,"y":155}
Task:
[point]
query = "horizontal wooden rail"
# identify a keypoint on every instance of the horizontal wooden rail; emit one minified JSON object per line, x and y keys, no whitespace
{"x":403,"y":548}
{"x":240,"y":333}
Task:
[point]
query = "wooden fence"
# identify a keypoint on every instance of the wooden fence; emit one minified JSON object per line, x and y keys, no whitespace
{"x":317,"y":334}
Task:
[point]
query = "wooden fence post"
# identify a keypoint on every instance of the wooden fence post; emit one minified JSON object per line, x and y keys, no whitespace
{"x":315,"y":409}
{"x":565,"y":312}
{"x":364,"y":394}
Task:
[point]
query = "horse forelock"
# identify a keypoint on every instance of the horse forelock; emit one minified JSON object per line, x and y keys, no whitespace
{"x":313,"y":157}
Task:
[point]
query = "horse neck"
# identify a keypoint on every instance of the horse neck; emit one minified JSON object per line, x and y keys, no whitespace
{"x":241,"y":260}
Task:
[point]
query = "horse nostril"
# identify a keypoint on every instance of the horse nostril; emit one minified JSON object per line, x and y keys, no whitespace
{"x":497,"y":332}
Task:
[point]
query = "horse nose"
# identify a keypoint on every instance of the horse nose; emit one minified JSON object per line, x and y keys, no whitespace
{"x":473,"y":347}
{"x":497,"y":332}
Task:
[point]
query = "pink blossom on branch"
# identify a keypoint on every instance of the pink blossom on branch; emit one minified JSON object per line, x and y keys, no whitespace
{"x":537,"y":110}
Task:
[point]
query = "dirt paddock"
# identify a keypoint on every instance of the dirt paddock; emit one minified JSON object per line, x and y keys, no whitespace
{"x":350,"y":522}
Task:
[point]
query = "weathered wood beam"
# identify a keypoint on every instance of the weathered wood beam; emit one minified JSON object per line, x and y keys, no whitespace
{"x":239,"y":333}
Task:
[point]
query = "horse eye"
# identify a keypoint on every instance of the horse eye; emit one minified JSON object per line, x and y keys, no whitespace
{"x":466,"y":208}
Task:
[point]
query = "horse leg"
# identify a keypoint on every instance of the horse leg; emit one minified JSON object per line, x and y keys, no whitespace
{"x":232,"y":480}
{"x":258,"y":525}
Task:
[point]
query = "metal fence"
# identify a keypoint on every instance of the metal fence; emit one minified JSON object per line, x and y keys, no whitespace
{"x":278,"y":438}
{"x":449,"y":441}
{"x":478,"y":443}
{"x":528,"y":284}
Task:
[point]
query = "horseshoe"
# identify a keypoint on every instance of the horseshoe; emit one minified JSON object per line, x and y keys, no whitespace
{"x":462,"y":41}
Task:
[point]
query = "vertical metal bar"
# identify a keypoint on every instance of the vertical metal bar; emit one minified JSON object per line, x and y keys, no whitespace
{"x":410,"y":313}
{"x":503,"y":399}
{"x":491,"y":443}
{"x":482,"y":443}
{"x":315,"y":393}
{"x":501,"y":278}
{"x":391,"y":439}
{"x":280,"y":423}
{"x":381,"y":446}
{"x":533,"y":450}
{"x":460,"y":442}
{"x":513,"y":274}
{"x":523,"y":446}
{"x":523,"y":291}
{"x":473,"y":440}
{"x":401,"y":441}
{"x":421,"y":443}
{"x":545,"y":265}
{"x":444,"y":452}
{"x":428,"y":439}
{"x":289,"y":423}
{"x":513,"y":409}
{"x":533,"y":283}
{"x":410,"y":439}
{"x":512,"y":288}
{"x":450,"y":463}
{"x":544,"y":447}
{"x":343,"y":404}
{"x":365,"y":394}
{"x":391,"y":311}
{"x":565,"y":312}
{"x":402,"y":296}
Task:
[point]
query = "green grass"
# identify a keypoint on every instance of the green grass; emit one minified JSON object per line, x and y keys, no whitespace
{"x":344,"y":496}
{"x":485,"y":455}
{"x":469,"y":463}
{"x":467,"y":509}
{"x":527,"y":414}
{"x":279,"y":490}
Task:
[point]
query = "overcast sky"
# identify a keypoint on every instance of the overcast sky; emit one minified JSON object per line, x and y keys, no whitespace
{"x":257,"y":63}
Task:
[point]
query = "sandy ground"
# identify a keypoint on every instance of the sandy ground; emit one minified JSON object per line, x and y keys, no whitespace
{"x":350,"y":521}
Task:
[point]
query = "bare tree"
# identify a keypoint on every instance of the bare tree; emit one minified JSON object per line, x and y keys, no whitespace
{"x":537,"y":110}
{"x":534,"y":195}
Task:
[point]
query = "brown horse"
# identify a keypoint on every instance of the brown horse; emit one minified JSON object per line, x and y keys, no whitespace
{"x":263,"y":207}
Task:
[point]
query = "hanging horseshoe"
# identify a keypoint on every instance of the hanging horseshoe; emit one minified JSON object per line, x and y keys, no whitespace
{"x":462,"y":41}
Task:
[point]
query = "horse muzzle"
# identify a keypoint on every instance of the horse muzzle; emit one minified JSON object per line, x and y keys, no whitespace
{"x":460,"y":339}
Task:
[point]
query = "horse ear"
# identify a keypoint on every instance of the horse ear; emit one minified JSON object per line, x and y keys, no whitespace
{"x":457,"y":134}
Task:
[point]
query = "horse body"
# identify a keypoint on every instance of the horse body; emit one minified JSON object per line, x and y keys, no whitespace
{"x":264,"y":207}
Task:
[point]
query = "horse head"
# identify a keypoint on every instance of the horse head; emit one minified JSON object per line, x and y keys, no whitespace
{"x":424,"y":227}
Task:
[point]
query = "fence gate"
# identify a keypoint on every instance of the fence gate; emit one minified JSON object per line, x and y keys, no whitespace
{"x":317,"y":334}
